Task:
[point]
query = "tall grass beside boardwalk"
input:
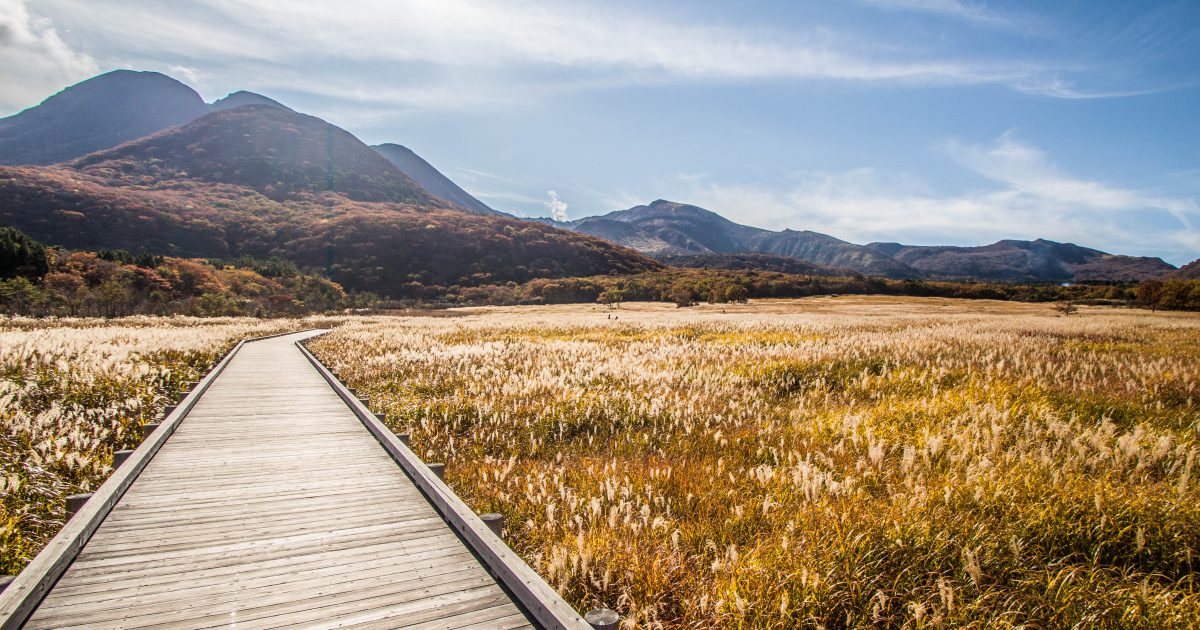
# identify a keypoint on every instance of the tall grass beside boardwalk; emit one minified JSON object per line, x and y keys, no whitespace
{"x":920,"y":464}
{"x":73,"y":391}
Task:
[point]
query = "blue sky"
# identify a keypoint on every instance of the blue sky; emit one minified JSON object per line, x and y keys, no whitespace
{"x":920,"y":121}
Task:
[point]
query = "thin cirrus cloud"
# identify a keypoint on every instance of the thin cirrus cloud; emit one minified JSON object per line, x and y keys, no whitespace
{"x":950,"y":8}
{"x":504,"y":51}
{"x":1029,"y":197}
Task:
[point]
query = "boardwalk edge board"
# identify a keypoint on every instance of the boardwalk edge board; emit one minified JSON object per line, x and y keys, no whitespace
{"x":541,"y":601}
{"x":26,"y":592}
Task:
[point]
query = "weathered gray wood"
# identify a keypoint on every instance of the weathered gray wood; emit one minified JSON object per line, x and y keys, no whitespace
{"x":602,"y":619}
{"x":271,"y":506}
{"x":541,"y":601}
{"x":75,"y":502}
{"x":495,"y":522}
{"x":119,"y":457}
{"x":439,"y":470}
{"x":18,"y":601}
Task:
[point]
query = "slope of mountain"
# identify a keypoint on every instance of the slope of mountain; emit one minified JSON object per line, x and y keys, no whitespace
{"x":665,"y":228}
{"x":1190,"y":271}
{"x":242,"y":97}
{"x":121,"y":106}
{"x":674,"y":232}
{"x":757,"y":262}
{"x":98,"y":113}
{"x":1025,"y":261}
{"x":826,"y":250}
{"x":430,"y":178}
{"x":277,"y":152}
{"x":398,"y":250}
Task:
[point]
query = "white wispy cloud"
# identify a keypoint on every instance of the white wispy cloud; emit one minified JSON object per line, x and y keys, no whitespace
{"x":459,"y":54}
{"x":34,"y":60}
{"x":953,"y":8}
{"x":1030,"y":197}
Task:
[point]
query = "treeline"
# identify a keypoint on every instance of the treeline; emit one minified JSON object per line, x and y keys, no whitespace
{"x":690,"y":286}
{"x":1171,"y":295}
{"x":40,"y":281}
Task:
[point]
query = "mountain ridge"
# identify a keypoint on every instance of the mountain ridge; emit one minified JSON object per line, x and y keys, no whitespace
{"x":431,"y":179}
{"x":668,"y":230}
{"x":99,"y":113}
{"x":665,"y":228}
{"x":279,"y":153}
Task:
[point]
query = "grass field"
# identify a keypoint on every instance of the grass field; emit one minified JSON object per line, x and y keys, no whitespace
{"x":830,"y":461}
{"x":72,"y":391}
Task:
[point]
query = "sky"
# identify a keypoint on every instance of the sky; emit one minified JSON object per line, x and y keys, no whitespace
{"x":920,"y":121}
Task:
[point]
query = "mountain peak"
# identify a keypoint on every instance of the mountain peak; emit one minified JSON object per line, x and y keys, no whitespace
{"x":276,"y":151}
{"x":95,"y":114}
{"x":242,"y":98}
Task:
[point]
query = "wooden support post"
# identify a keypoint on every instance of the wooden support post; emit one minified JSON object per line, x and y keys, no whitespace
{"x":439,"y":470}
{"x":147,"y":429}
{"x":75,"y":502}
{"x":5,"y":580}
{"x":168,"y":410}
{"x":382,"y":417}
{"x":119,"y":457}
{"x":602,"y":619}
{"x":403,"y":437}
{"x":366,"y":402}
{"x":495,"y":522}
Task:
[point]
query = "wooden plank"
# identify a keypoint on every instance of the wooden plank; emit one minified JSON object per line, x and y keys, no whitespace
{"x":22,"y":596}
{"x":541,"y":601}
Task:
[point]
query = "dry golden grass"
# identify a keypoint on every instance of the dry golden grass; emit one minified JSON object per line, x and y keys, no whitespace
{"x":73,"y":391}
{"x":837,"y":462}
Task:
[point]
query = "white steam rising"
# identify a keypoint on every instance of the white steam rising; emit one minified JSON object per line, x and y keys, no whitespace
{"x":556,"y":206}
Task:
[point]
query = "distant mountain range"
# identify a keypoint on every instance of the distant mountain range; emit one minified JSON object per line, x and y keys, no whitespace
{"x":262,"y":180}
{"x":674,"y":231}
{"x":123,"y":105}
{"x":139,"y":160}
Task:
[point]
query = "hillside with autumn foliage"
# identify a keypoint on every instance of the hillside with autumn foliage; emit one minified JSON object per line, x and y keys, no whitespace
{"x":264,"y":182}
{"x":40,"y":280}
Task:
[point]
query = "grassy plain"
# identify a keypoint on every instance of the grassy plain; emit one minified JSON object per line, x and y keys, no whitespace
{"x":837,"y":462}
{"x":73,"y":391}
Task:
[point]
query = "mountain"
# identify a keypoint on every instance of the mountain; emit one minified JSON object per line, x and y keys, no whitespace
{"x":757,"y":262}
{"x":121,"y":106}
{"x":396,"y":250}
{"x":1190,"y":271}
{"x":1025,"y":261}
{"x":685,"y":235}
{"x":276,"y":152}
{"x":254,"y":180}
{"x":242,"y":97}
{"x":430,"y":178}
{"x":666,"y":228}
{"x":98,"y":113}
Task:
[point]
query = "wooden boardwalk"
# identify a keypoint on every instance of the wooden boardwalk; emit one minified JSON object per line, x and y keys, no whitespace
{"x":272,"y":506}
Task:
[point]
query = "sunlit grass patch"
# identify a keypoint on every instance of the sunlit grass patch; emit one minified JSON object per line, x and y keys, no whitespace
{"x":846,"y":470}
